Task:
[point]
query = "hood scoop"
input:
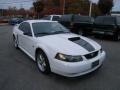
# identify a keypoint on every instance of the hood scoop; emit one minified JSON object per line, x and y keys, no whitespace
{"x":74,"y":38}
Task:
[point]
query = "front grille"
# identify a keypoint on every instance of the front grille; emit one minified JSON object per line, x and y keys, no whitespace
{"x":92,"y":55}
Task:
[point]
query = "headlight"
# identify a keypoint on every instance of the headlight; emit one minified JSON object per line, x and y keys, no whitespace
{"x":68,"y":58}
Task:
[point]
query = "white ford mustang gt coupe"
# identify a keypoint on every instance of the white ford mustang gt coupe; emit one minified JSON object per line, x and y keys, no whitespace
{"x":56,"y":49}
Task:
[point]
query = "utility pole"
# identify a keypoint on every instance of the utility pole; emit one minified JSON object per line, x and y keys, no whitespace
{"x":64,"y":3}
{"x":91,"y":4}
{"x":21,"y":5}
{"x":90,"y":10}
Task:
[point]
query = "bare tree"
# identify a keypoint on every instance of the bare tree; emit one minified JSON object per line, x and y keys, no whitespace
{"x":38,"y":7}
{"x":105,"y":6}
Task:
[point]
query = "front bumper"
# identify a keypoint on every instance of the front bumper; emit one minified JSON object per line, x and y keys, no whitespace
{"x":77,"y":68}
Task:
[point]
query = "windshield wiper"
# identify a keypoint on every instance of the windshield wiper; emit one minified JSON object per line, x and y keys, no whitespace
{"x":42,"y":33}
{"x":57,"y":32}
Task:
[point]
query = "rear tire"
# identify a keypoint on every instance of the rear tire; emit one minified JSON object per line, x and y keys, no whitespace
{"x":15,"y":42}
{"x":42,"y":62}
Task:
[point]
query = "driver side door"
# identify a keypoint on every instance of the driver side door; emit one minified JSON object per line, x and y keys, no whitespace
{"x":26,"y":38}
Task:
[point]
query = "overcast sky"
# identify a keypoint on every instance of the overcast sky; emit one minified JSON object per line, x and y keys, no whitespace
{"x":28,"y":3}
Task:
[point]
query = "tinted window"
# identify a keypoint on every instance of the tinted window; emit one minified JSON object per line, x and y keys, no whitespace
{"x":14,"y":19}
{"x":66,"y":18}
{"x":78,"y":18}
{"x":56,"y":18}
{"x":48,"y":28}
{"x":99,"y":20}
{"x":21,"y":27}
{"x":46,"y":18}
{"x":109,"y":20}
{"x":118,"y":20}
{"x":25,"y":27}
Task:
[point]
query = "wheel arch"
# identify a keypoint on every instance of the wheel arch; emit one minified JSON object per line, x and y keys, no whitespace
{"x":40,"y":49}
{"x":44,"y":51}
{"x":13,"y":36}
{"x":36,"y":51}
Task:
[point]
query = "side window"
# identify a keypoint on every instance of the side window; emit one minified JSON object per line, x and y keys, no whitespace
{"x":109,"y":21}
{"x":21,"y":27}
{"x":25,"y":27}
{"x":118,"y":20}
{"x":66,"y":18}
{"x":99,"y":20}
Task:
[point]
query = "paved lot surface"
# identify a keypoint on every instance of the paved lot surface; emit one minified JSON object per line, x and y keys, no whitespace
{"x":19,"y":72}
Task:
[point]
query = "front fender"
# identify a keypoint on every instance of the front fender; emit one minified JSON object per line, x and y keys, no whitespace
{"x":50,"y":52}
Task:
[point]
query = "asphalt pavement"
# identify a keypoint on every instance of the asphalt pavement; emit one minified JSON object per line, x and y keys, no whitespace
{"x":19,"y":72}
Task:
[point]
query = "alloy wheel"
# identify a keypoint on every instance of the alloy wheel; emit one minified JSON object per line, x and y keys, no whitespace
{"x":41,"y":62}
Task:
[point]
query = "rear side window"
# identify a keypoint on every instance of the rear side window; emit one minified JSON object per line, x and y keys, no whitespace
{"x":55,"y":18}
{"x":99,"y":20}
{"x":21,"y":27}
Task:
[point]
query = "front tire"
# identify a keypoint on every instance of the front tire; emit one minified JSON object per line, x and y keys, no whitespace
{"x":116,"y":37}
{"x":83,"y":32}
{"x":80,"y":32}
{"x":42,"y":62}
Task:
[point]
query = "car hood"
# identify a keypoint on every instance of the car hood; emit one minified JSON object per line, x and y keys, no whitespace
{"x":70,"y":44}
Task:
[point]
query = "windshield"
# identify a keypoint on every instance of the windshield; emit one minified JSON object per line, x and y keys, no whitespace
{"x":45,"y":28}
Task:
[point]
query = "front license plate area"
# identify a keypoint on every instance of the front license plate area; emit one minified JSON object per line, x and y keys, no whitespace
{"x":94,"y":64}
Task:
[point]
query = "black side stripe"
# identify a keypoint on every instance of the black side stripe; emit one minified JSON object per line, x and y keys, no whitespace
{"x":84,"y":44}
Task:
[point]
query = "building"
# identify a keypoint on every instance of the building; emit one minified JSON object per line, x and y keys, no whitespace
{"x":115,"y":13}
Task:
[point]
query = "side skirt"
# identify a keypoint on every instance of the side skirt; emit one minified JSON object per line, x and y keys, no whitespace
{"x":33,"y":58}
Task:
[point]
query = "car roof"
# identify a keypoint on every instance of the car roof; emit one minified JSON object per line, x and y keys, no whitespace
{"x":54,"y":15}
{"x":34,"y":21}
{"x":108,"y":16}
